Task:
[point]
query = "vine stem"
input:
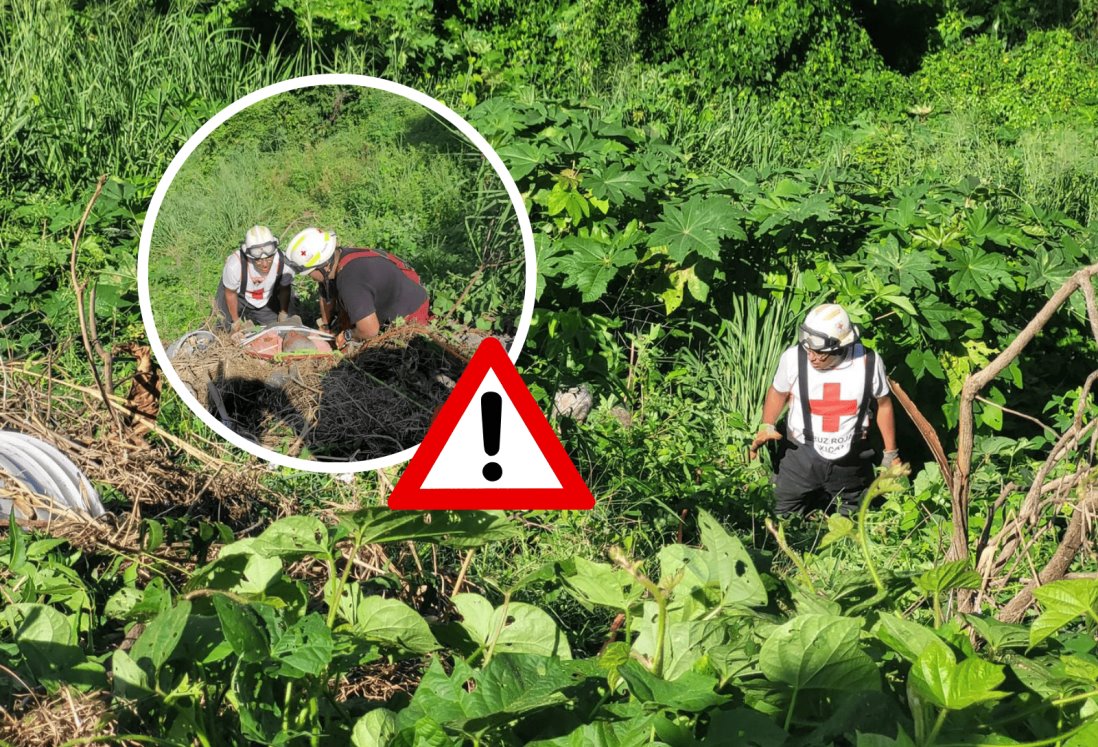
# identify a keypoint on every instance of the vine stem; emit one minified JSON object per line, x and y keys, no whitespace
{"x":863,"y":535}
{"x":938,"y":723}
{"x":1038,"y":743}
{"x":337,"y":590}
{"x":499,"y":628}
{"x":789,"y":713}
{"x":793,"y":555}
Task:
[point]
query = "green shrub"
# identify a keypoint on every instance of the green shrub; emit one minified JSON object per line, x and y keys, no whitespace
{"x":1049,"y":75}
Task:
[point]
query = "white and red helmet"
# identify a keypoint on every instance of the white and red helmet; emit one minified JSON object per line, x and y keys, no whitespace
{"x":827,"y":329}
{"x":310,"y":249}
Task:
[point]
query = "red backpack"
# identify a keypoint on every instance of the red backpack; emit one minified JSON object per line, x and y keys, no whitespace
{"x":401,"y":265}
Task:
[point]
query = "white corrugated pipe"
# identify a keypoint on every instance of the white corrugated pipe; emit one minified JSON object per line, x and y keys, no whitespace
{"x":60,"y":488}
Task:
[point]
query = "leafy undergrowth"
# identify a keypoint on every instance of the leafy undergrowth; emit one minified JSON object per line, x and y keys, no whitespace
{"x":273,"y":639}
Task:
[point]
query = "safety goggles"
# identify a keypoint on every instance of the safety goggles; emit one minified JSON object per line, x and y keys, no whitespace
{"x":818,"y":342}
{"x":261,"y":251}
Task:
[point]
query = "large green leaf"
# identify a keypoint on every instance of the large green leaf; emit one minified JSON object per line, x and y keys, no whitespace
{"x":594,"y":257}
{"x":615,"y":183}
{"x":243,"y":629}
{"x":947,"y":577}
{"x":471,"y":700}
{"x":376,"y":729}
{"x":158,"y":641}
{"x":687,"y":641}
{"x":937,"y":677}
{"x":910,"y":268}
{"x":518,"y":628}
{"x":696,"y":227}
{"x":602,"y":584}
{"x":565,"y":198}
{"x":453,"y":528}
{"x":389,"y":622}
{"x":908,"y":639}
{"x":47,"y":640}
{"x":721,"y":575}
{"x":293,"y":538}
{"x":977,"y":271}
{"x":692,"y":692}
{"x":522,"y":158}
{"x":818,"y":652}
{"x":1061,"y":602}
{"x":1000,"y":636}
{"x":129,"y":679}
{"x":740,"y":583}
{"x":304,"y":649}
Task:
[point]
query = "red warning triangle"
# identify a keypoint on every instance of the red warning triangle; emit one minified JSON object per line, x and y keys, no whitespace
{"x":490,"y":447}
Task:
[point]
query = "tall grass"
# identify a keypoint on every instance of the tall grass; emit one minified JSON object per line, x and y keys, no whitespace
{"x":735,"y":370}
{"x":114,"y":88}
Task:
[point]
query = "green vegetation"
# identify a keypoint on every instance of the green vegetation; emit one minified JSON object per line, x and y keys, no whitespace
{"x":377,"y":169}
{"x":697,"y":175}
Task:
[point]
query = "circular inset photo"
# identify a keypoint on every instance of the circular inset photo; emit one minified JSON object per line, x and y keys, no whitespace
{"x":320,"y":262}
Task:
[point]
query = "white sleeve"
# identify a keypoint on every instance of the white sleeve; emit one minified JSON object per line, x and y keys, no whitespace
{"x":786,"y":374}
{"x":230,"y":276}
{"x":880,"y":379}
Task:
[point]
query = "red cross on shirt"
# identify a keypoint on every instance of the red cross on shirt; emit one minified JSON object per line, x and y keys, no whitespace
{"x":831,"y":407}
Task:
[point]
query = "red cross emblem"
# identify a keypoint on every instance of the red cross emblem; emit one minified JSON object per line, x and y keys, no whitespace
{"x":831,"y":407}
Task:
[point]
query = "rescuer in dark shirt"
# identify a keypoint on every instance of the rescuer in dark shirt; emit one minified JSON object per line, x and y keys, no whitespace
{"x":368,"y":289}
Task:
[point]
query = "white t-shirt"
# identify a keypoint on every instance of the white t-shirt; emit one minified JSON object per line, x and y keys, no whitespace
{"x":260,"y":287}
{"x":834,"y":396}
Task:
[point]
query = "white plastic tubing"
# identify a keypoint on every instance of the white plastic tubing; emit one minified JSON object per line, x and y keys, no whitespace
{"x":42,"y":469}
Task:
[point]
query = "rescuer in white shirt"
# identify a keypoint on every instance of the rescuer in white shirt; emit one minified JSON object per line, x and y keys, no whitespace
{"x":834,"y":387}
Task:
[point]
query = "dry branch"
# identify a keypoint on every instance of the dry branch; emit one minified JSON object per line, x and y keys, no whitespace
{"x":975,"y":383}
{"x":930,"y":436}
{"x":1079,"y":528}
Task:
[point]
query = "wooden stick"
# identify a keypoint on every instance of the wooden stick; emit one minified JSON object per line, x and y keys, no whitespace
{"x":461,"y":573}
{"x":926,"y":430}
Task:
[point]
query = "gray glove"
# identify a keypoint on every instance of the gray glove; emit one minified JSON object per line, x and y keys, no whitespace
{"x":890,"y":457}
{"x":282,"y":316}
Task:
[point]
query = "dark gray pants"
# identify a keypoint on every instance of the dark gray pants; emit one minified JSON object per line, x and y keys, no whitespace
{"x":263,"y":316}
{"x":807,"y":482}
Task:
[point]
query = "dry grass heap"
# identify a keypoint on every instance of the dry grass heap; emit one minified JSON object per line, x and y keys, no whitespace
{"x":377,"y":401}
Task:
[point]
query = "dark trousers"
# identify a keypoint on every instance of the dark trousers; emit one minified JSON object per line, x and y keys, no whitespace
{"x":807,"y":482}
{"x":263,"y":316}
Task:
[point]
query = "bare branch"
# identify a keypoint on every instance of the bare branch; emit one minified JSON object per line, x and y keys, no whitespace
{"x":1017,"y":414}
{"x":930,"y":436}
{"x":977,"y":381}
{"x":1079,"y":527}
{"x":1092,"y":308}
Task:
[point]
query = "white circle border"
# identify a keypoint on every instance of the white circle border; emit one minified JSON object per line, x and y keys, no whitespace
{"x":332,"y":79}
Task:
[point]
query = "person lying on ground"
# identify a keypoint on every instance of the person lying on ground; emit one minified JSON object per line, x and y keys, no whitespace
{"x":362,"y":290}
{"x":255,"y":283}
{"x":835,"y":387}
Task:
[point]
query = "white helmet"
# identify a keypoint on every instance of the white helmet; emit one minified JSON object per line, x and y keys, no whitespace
{"x":259,"y":243}
{"x":310,"y":249}
{"x":827,"y":329}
